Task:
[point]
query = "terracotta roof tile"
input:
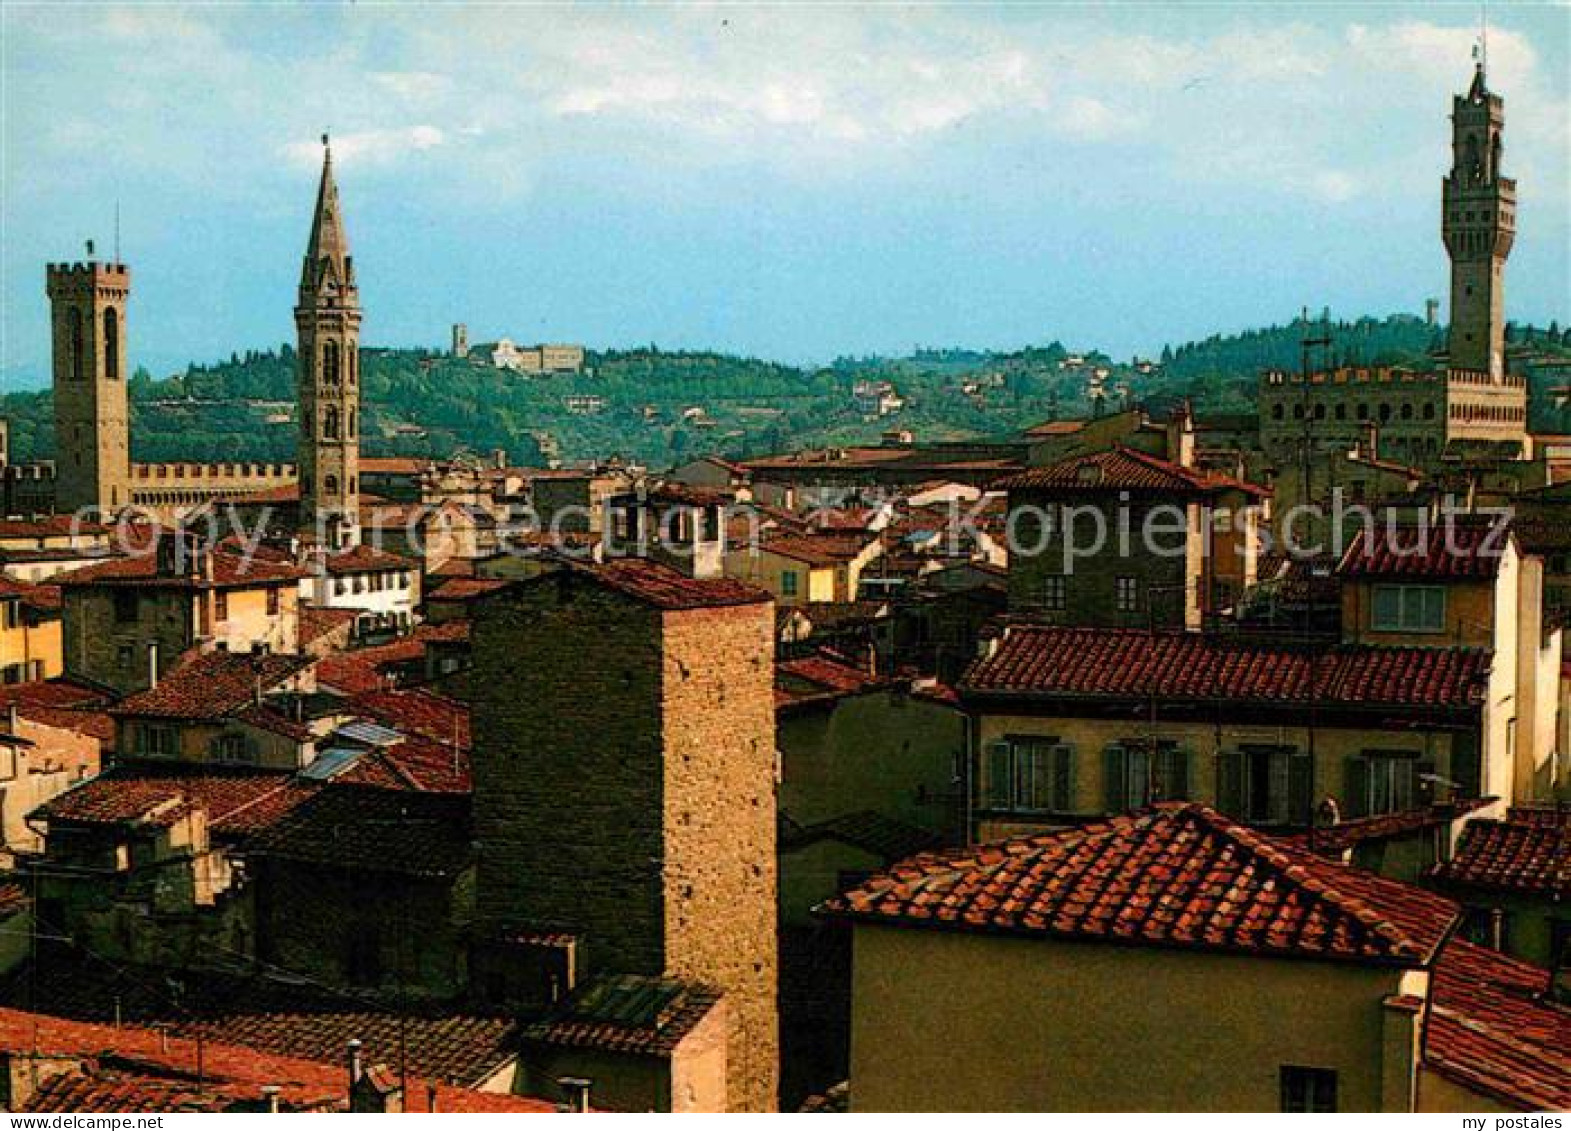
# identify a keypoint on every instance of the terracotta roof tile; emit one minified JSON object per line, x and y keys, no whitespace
{"x":1154,"y":878}
{"x":376,"y":830}
{"x":316,"y":622}
{"x":661,"y":586}
{"x":1121,"y":468}
{"x":365,"y":559}
{"x":820,"y":679}
{"x":212,"y":685}
{"x":1035,"y":660}
{"x":1448,"y":551}
{"x":629,"y":1013}
{"x":229,"y":571}
{"x":1526,"y":856}
{"x":1491,"y":1030}
{"x":238,"y":802}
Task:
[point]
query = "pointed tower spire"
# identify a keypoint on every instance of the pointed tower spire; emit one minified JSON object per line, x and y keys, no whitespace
{"x":328,"y":265}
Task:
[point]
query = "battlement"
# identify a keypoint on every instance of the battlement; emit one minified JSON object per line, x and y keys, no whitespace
{"x":1347,"y":374}
{"x":93,"y":273}
{"x":228,"y":474}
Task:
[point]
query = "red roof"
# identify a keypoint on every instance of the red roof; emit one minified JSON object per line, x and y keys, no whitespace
{"x":237,"y":801}
{"x":826,"y":549}
{"x":1036,"y":660}
{"x":60,"y":703}
{"x":127,"y":1069}
{"x":43,"y":598}
{"x":1490,"y":1029}
{"x":317,"y":621}
{"x":1177,"y":875}
{"x":212,"y":685}
{"x":50,"y":526}
{"x":819,"y":679}
{"x":1449,"y":551}
{"x":419,"y":712}
{"x":1532,"y":857}
{"x":466,"y":588}
{"x":1120,"y":468}
{"x":665,"y":588}
{"x":229,"y":571}
{"x":370,"y":669}
{"x":365,"y":559}
{"x":628,"y":1013}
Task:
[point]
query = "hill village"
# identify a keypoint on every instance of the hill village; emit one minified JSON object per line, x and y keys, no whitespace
{"x":830,"y":780}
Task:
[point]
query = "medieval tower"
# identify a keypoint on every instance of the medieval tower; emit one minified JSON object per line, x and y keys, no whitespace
{"x":327,"y":319}
{"x":92,"y":430}
{"x":1479,"y":225}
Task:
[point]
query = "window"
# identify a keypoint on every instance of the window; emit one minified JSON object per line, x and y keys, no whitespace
{"x":221,"y":605}
{"x":12,"y":673}
{"x":1054,"y":593}
{"x":125,"y":654}
{"x":330,"y":423}
{"x":1385,"y":781}
{"x":1033,"y":775}
{"x":74,"y":324}
{"x":788,"y":581}
{"x":1139,"y":772}
{"x":126,"y":606}
{"x":1265,"y":784}
{"x":1409,"y":608}
{"x":330,"y":362}
{"x":111,"y":344}
{"x":273,"y":600}
{"x":233,"y":748}
{"x":1308,"y":1089}
{"x":1126,"y":592}
{"x":155,"y":741}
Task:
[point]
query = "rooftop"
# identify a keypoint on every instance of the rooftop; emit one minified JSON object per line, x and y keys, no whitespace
{"x":1448,"y":551}
{"x":628,"y":1013}
{"x":212,"y":685}
{"x":238,"y":802}
{"x":414,"y":834}
{"x":228,"y":571}
{"x":1036,"y":660}
{"x":1121,"y":468}
{"x":1176,"y":875}
{"x":1522,"y":855}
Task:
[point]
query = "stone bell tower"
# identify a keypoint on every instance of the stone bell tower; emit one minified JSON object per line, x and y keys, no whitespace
{"x":1479,"y":226}
{"x":92,"y":429}
{"x":327,"y":320}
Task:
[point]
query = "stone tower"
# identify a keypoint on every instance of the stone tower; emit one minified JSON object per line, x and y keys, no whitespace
{"x":1479,"y":225}
{"x":624,"y":786}
{"x":92,"y":430}
{"x":327,"y":319}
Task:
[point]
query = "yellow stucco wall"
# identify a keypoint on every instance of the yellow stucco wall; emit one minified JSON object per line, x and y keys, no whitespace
{"x":32,"y":649}
{"x":946,"y":1021}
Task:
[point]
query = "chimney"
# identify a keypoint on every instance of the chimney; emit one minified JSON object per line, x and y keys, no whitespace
{"x":356,"y":1064}
{"x":499,"y":458}
{"x":1497,"y":928}
{"x":270,"y":1096}
{"x":152,"y":665}
{"x":576,"y":1089}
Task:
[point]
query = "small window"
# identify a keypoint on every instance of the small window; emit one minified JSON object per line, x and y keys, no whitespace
{"x":233,"y":749}
{"x":127,"y":605}
{"x":788,"y":583}
{"x":272,"y":602}
{"x":221,"y":606}
{"x":1409,"y":608}
{"x":1308,"y":1089}
{"x":1127,"y":594}
{"x":155,"y":741}
{"x":1030,"y":775}
{"x":1055,"y":593}
{"x":125,"y":654}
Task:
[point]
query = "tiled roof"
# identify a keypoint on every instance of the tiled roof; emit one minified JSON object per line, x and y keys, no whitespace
{"x":14,"y":896}
{"x":238,"y":802}
{"x":1527,"y":857}
{"x":365,"y":559}
{"x":420,"y":764}
{"x":1447,"y":551}
{"x":1121,"y":468}
{"x":41,"y":598}
{"x":1490,"y":1029}
{"x":377,"y":830}
{"x":50,"y":526}
{"x":369,"y":669}
{"x":212,"y":685}
{"x":1336,"y":839}
{"x":665,"y":588}
{"x":417,"y":712}
{"x":466,"y":588}
{"x":316,"y":622}
{"x":1176,"y":875}
{"x":819,"y":679}
{"x":1035,"y":660}
{"x":128,"y":1069}
{"x":278,"y":1015}
{"x":629,"y":1013}
{"x":63,"y":704}
{"x":819,"y":549}
{"x":229,"y":571}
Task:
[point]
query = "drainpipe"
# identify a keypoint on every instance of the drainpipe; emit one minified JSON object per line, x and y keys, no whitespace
{"x":270,"y":1095}
{"x":152,"y":665}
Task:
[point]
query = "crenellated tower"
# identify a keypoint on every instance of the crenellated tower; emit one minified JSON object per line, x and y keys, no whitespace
{"x":327,"y":319}
{"x":1479,"y":226}
{"x":92,"y":427}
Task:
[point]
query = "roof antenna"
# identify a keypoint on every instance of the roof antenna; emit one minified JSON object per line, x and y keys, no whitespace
{"x":1481,"y":53}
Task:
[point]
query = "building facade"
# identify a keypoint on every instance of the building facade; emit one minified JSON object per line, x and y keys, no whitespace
{"x":92,"y":418}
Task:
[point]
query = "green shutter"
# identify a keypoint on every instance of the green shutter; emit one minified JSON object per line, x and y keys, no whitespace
{"x":1230,"y":782}
{"x":1300,"y":788}
{"x":1182,"y":771}
{"x":1064,"y":778}
{"x":1355,"y":786}
{"x":1115,"y":786}
{"x":999,"y":795}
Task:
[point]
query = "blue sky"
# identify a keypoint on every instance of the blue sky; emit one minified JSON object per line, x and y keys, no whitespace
{"x":785,"y":181}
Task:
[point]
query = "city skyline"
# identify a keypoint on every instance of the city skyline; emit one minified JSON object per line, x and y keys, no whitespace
{"x":793,"y":196}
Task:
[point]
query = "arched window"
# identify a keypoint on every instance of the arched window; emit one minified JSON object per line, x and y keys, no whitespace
{"x":353,"y":366}
{"x":1407,"y":412}
{"x":350,"y":424}
{"x":330,"y":485}
{"x":1363,"y":412}
{"x":1320,"y":412}
{"x":1341,"y":412}
{"x":1429,"y":411}
{"x":1277,"y":412}
{"x":73,"y":318}
{"x":111,"y":344}
{"x":1474,"y":169}
{"x":1385,"y":412}
{"x":330,"y":362}
{"x":330,"y":422}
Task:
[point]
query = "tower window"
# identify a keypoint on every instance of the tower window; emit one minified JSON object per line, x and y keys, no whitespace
{"x":111,"y":344}
{"x":74,"y":332}
{"x":330,"y":422}
{"x":330,"y":362}
{"x":330,"y":485}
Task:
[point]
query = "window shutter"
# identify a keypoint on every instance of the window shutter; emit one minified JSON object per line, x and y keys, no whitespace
{"x":1300,"y":788}
{"x":1402,"y":783}
{"x":1180,"y":761}
{"x":998,"y":790}
{"x":1115,"y":787}
{"x":1230,"y":782}
{"x":1356,"y":786}
{"x":1064,"y":778}
{"x":1280,"y":786}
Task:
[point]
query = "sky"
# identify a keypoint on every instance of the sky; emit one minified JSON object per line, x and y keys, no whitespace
{"x":787,"y":181}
